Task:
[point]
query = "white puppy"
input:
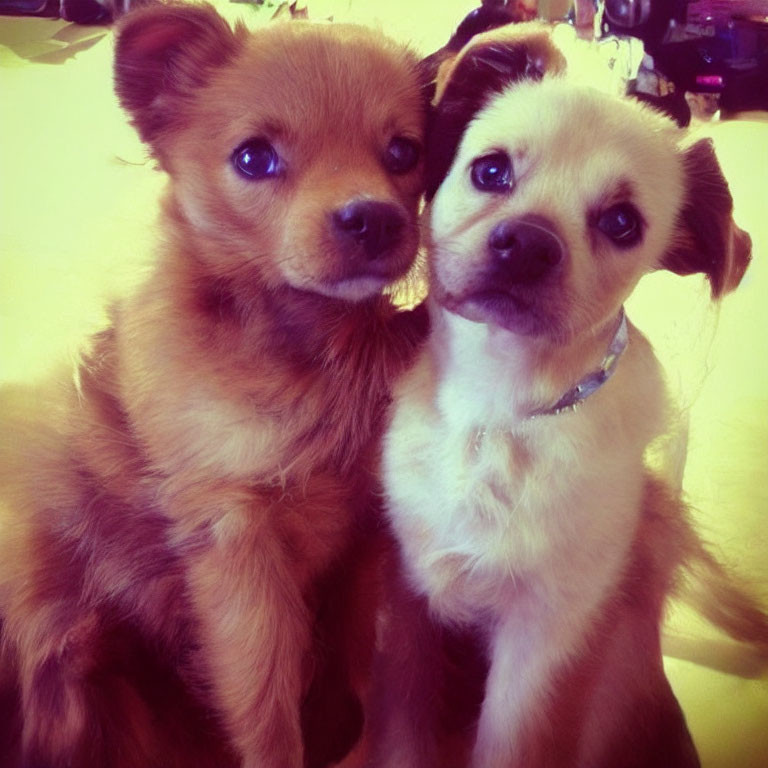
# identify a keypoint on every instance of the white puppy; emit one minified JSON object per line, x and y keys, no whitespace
{"x":515,"y":467}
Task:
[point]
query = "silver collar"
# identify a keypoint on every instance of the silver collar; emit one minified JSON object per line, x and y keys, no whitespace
{"x":592,"y":381}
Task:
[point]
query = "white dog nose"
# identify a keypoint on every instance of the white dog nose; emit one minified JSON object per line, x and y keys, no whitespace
{"x":523,"y":252}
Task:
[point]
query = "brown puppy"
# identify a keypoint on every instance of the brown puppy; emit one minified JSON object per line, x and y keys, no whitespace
{"x":189,"y":513}
{"x":537,"y":546}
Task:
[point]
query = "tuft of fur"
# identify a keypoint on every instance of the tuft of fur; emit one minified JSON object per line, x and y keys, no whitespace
{"x":187,"y":541}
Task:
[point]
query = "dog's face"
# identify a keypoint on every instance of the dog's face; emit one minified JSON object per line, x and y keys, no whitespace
{"x":295,"y":152}
{"x":556,"y":199}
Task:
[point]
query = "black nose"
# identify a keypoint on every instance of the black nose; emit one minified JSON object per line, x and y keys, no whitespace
{"x":523,"y":252}
{"x":375,"y":227}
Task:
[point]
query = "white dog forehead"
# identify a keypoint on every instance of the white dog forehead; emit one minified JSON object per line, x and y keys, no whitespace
{"x":572,"y":142}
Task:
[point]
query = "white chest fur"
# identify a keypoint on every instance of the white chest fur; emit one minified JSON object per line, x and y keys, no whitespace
{"x":493,"y":510}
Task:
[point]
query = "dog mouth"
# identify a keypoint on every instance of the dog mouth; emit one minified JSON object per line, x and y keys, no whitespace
{"x":342,"y":273}
{"x":511,"y":311}
{"x":355,"y":280}
{"x":358,"y":255}
{"x":513,"y":282}
{"x":486,"y":303}
{"x":354,"y":288}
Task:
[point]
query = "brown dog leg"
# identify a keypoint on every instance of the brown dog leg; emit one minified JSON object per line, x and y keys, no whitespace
{"x":255,"y":638}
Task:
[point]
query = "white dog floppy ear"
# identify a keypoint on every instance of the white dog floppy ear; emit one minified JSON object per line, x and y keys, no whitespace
{"x":708,"y":240}
{"x":490,"y":63}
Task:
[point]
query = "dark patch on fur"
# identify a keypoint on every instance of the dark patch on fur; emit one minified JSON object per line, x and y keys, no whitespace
{"x":308,"y":329}
{"x":480,"y":20}
{"x":331,"y":714}
{"x":217,"y":300}
{"x":437,"y":672}
{"x":483,"y":73}
{"x":705,"y":223}
{"x":187,"y":733}
{"x":10,"y":708}
{"x":139,"y":711}
{"x":376,"y":348}
{"x":476,"y":22}
{"x":124,"y":670}
{"x":47,"y":691}
{"x":137,"y":705}
{"x":466,"y":662}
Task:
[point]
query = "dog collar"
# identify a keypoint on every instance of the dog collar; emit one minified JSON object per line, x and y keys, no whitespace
{"x":592,"y":381}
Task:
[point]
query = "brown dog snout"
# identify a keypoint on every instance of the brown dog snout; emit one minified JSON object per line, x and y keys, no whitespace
{"x":523,"y":251}
{"x":373,"y":227}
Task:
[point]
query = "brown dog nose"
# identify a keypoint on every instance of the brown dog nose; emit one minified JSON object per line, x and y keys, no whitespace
{"x":523,"y":252}
{"x":374,"y":226}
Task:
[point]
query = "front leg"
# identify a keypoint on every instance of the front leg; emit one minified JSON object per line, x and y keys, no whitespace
{"x":427,"y":685}
{"x":532,"y":648}
{"x":406,"y":684}
{"x":255,"y":636}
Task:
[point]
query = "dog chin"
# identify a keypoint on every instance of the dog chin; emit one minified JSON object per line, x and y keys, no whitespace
{"x":352,"y":288}
{"x":500,"y":309}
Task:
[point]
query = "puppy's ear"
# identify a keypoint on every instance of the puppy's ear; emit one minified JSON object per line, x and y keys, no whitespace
{"x":479,"y":20}
{"x":487,"y":67}
{"x":164,"y":52}
{"x":707,"y":240}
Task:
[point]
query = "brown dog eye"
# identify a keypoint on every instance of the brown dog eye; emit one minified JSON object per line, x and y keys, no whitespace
{"x":401,"y":155}
{"x":256,"y":159}
{"x":621,"y":223}
{"x":492,"y":173}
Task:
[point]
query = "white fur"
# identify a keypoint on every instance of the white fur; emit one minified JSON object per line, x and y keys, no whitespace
{"x":523,"y":525}
{"x":531,"y":549}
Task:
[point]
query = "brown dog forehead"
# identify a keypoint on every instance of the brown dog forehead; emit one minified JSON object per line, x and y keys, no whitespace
{"x":315,"y":75}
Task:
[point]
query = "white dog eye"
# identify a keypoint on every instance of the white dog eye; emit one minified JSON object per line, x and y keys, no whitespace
{"x":492,"y":173}
{"x":256,"y":159}
{"x":621,"y":223}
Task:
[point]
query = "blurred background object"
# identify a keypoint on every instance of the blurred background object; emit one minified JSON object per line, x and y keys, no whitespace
{"x":716,"y":47}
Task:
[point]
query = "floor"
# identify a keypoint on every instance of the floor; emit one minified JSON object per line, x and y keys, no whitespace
{"x":77,"y":218}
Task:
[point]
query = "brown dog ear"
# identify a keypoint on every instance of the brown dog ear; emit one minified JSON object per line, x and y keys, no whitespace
{"x":164,"y":52}
{"x":707,"y":240}
{"x":479,"y":20}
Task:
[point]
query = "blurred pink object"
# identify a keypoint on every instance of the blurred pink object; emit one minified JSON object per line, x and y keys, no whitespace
{"x":584,"y":16}
{"x":704,"y":12}
{"x":528,"y":8}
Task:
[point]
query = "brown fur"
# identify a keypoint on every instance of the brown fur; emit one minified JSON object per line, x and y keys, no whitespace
{"x":185,"y":535}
